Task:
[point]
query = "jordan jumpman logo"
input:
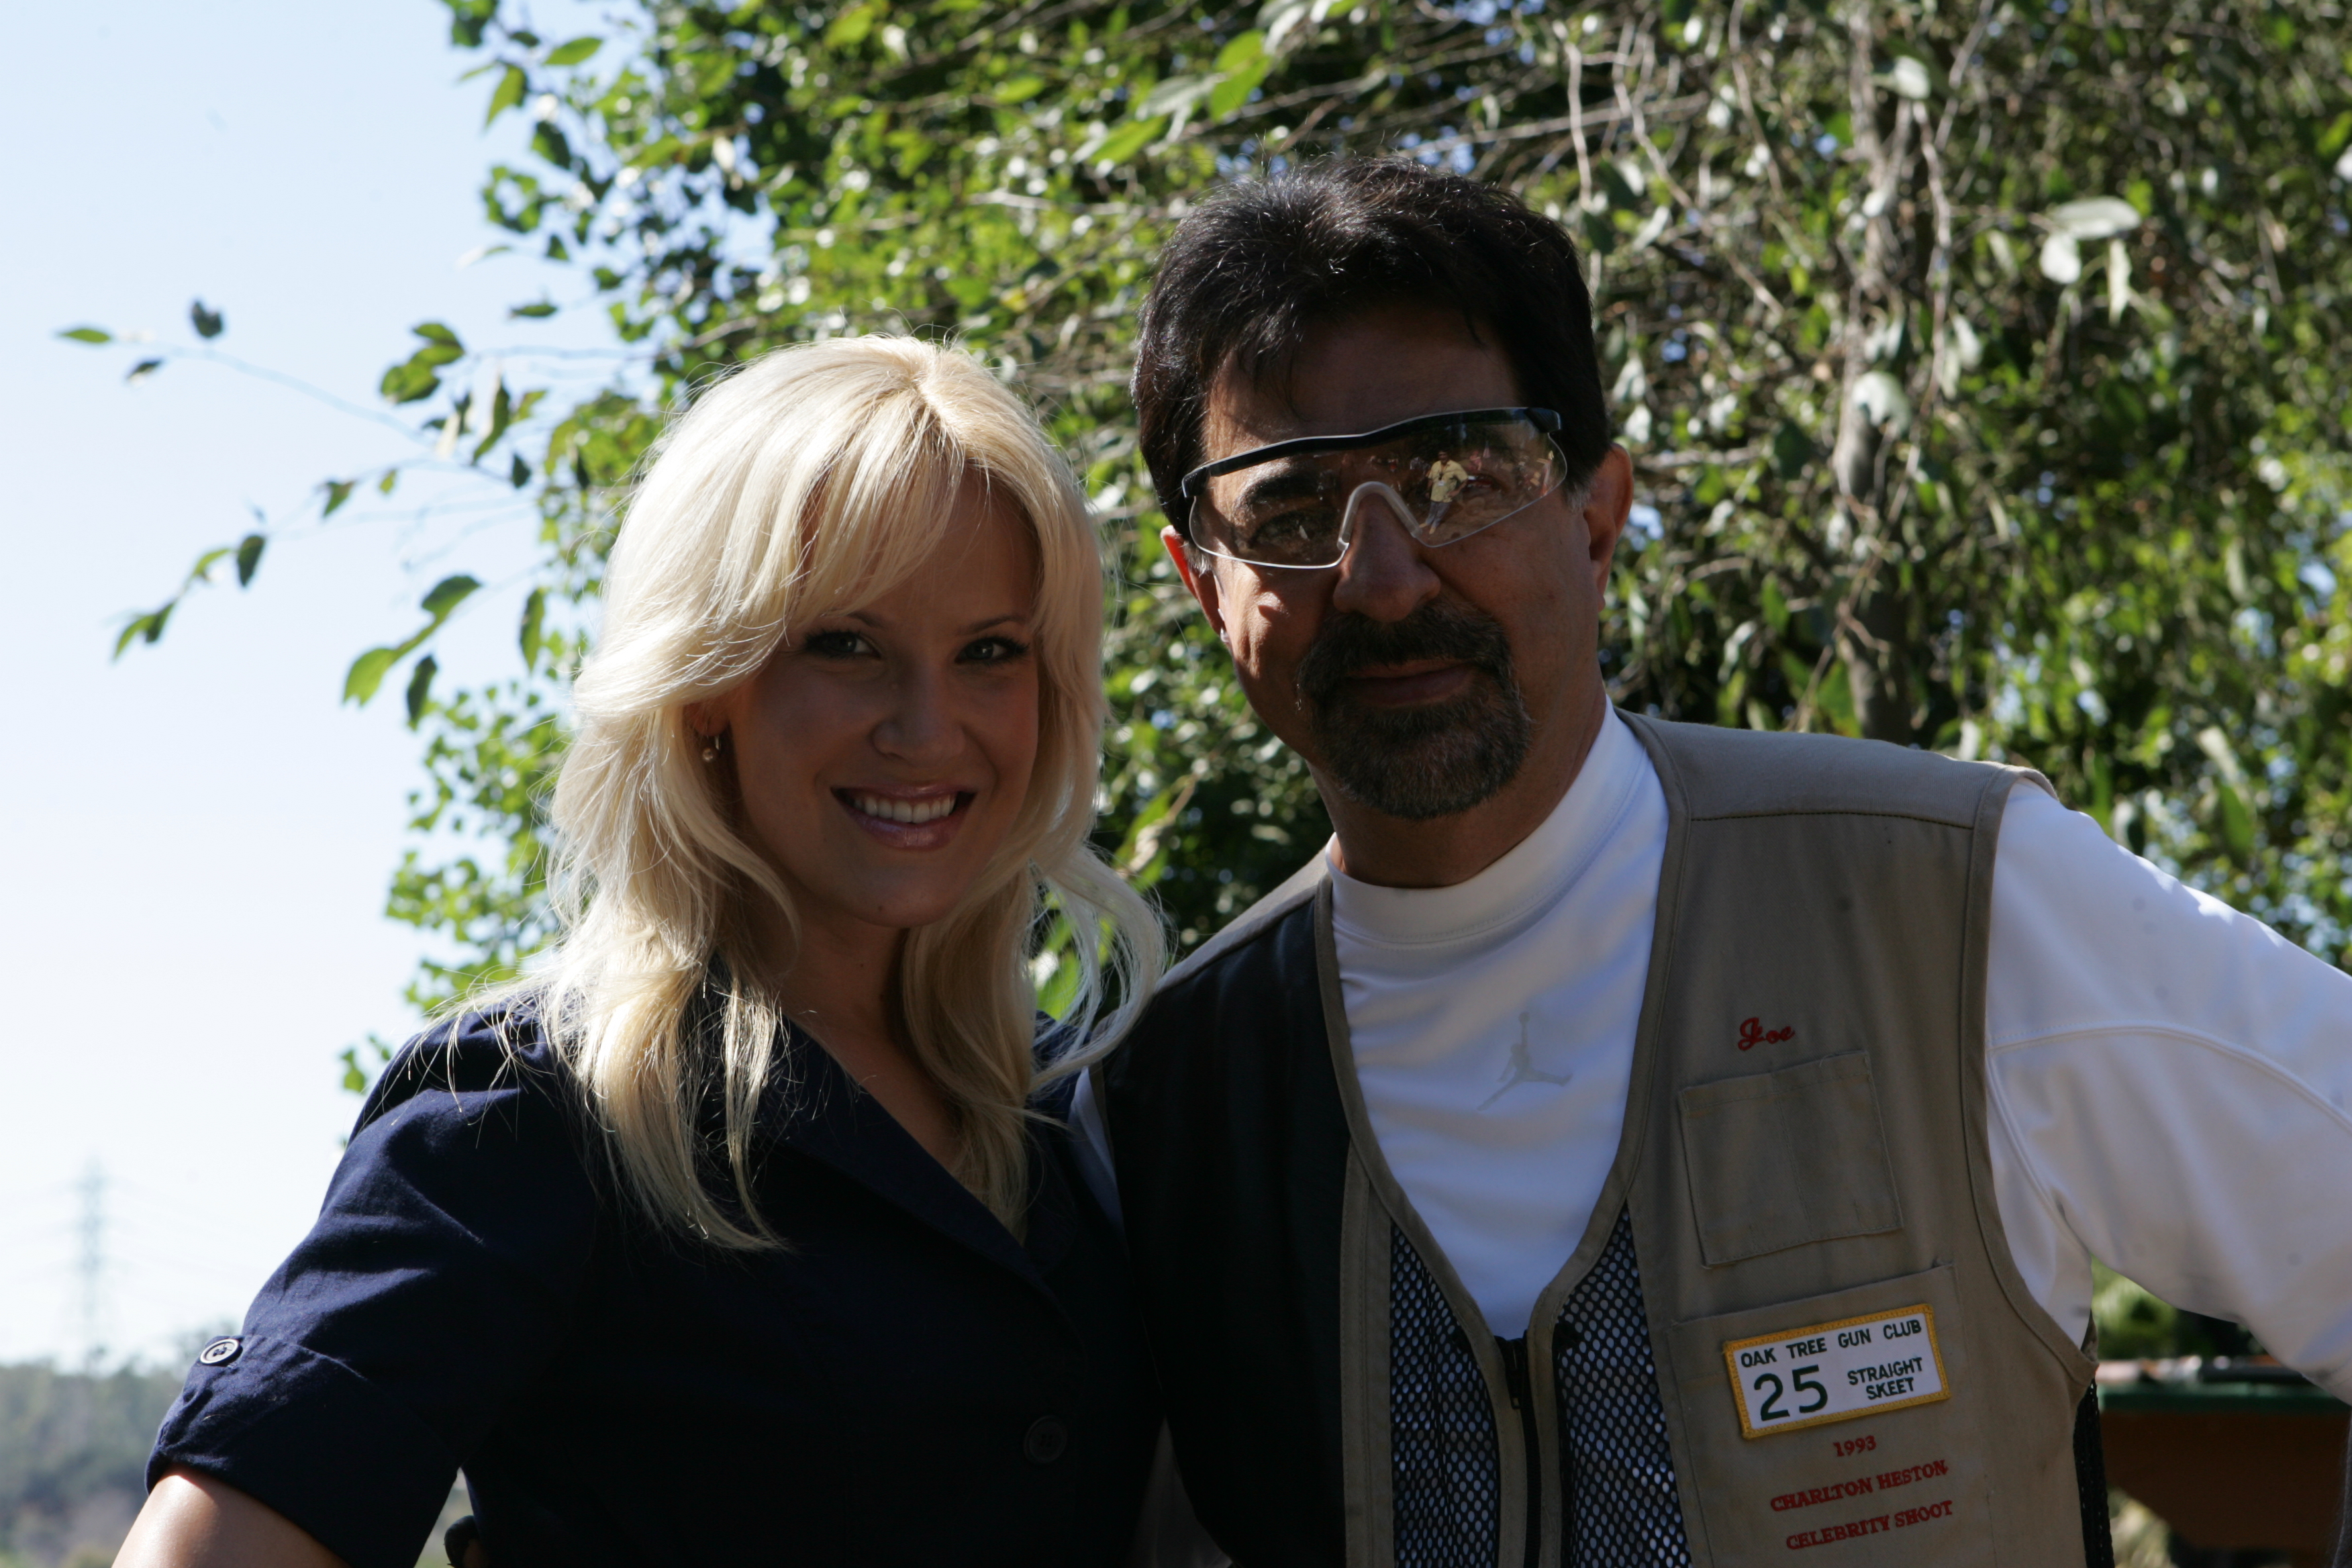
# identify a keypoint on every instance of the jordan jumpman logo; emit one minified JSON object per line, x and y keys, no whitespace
{"x":1522,"y":1070}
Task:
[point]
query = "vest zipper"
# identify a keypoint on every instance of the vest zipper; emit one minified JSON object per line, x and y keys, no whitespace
{"x":1523,"y":1400}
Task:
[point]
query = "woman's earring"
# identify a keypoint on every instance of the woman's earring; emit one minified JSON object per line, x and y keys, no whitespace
{"x":712,"y":745}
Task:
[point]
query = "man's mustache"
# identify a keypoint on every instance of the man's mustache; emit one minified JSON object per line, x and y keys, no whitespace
{"x":1436,"y":630}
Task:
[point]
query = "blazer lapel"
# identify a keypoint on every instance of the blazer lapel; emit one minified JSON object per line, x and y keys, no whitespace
{"x":824,"y":1117}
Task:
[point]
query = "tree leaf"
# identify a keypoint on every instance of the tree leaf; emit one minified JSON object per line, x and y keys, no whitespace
{"x":548,"y":143}
{"x":420,"y":688}
{"x":1908,"y":76}
{"x":1125,"y":143}
{"x":208,"y":322}
{"x":537,"y":311}
{"x":534,"y":623}
{"x":849,"y":28}
{"x":367,"y":673}
{"x":448,"y":595}
{"x":146,"y":629}
{"x":248,"y":558}
{"x":337,"y":492}
{"x":2095,"y":217}
{"x":1172,"y":95}
{"x":1233,"y":92}
{"x":1246,"y":48}
{"x":508,"y":93}
{"x":142,"y":371}
{"x":409,"y":383}
{"x":416,"y":378}
{"x":88,"y":334}
{"x":2061,"y":258}
{"x":577,"y":50}
{"x":468,"y":19}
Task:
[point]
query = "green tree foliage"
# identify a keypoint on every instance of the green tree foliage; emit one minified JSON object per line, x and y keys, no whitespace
{"x":69,"y":1444}
{"x":1981,"y":362}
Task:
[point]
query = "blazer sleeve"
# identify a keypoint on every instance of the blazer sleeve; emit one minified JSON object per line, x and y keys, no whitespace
{"x":438,"y":1280}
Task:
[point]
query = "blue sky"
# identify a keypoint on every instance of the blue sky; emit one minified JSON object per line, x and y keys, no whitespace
{"x":196,"y":839}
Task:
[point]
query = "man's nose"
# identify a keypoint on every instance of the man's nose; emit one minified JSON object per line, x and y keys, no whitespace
{"x":1385,"y":575}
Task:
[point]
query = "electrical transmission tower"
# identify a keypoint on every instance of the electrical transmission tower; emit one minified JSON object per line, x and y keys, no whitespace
{"x":92,"y":1265}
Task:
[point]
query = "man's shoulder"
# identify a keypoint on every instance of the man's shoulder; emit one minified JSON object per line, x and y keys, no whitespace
{"x":1721,"y":773}
{"x":1249,"y":928}
{"x":1239,"y":1009}
{"x":1238,"y":950}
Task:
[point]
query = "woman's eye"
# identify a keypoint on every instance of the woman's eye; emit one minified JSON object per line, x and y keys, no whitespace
{"x":994,"y":650}
{"x":835,"y":645}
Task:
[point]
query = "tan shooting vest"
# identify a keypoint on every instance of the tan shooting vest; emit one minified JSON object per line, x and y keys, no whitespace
{"x":1848,"y":1367}
{"x":1804,"y":1147}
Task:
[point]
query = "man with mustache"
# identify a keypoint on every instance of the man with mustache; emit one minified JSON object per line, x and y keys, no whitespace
{"x":1636,"y":1142}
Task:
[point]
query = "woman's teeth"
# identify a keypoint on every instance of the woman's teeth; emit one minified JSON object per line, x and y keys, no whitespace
{"x":911,"y":812}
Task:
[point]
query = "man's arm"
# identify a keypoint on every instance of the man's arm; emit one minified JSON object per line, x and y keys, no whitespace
{"x":2170,"y":1082}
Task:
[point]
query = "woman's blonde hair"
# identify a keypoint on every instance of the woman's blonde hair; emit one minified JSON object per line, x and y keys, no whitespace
{"x":814,"y":479}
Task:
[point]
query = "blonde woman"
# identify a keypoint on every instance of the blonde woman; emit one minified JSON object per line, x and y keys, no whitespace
{"x":748,"y":1231}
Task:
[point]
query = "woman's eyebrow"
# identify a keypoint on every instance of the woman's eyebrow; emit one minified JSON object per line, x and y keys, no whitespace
{"x":1010,"y":618}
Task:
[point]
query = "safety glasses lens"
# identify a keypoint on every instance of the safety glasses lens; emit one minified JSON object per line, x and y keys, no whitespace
{"x":1452,"y":480}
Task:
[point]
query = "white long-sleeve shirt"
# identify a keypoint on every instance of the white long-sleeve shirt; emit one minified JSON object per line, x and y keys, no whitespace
{"x":2170,"y":1081}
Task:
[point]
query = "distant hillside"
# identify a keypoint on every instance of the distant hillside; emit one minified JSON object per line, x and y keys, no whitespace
{"x":73,"y":1460}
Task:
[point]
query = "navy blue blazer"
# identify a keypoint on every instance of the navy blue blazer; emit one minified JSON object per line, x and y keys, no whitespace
{"x":907,"y":1383}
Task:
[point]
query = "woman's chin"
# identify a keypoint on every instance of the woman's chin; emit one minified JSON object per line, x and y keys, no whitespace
{"x":882,"y":889}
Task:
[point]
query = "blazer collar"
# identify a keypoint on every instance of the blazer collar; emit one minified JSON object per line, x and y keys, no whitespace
{"x":824,"y":1117}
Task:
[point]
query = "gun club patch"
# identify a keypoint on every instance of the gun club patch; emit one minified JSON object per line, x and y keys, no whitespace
{"x":1835,"y":1371}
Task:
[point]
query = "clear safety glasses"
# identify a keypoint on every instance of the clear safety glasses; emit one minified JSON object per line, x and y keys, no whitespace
{"x":1446,"y":476}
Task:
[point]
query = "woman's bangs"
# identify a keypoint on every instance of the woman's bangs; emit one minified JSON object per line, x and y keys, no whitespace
{"x":877,"y":514}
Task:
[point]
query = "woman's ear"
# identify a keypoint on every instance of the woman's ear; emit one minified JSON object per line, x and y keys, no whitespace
{"x":705,"y":719}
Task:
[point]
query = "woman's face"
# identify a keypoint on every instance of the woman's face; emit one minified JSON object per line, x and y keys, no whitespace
{"x":884,"y":753}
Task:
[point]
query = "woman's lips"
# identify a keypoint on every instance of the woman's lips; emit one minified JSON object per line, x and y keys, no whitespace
{"x":906,"y":822}
{"x":913,"y":812}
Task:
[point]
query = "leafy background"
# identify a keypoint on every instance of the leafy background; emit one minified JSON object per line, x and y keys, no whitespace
{"x":1981,"y":363}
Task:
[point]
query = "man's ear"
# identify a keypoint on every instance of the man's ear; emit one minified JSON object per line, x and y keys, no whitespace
{"x":1608,"y":503}
{"x":1201,"y":585}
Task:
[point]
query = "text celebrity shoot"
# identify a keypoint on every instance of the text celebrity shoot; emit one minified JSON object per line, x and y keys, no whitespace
{"x":1633,"y":1142}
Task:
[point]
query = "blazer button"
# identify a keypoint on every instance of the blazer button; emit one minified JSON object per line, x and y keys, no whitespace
{"x":1046,"y":1440}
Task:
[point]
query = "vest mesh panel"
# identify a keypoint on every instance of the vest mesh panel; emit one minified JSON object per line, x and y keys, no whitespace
{"x":1442,"y":1454}
{"x":1617,"y":1471}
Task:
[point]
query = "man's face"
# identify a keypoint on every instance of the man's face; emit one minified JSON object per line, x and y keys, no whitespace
{"x":1416,"y":680}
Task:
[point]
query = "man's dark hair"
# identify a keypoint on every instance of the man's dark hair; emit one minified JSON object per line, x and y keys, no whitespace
{"x":1251,"y":271}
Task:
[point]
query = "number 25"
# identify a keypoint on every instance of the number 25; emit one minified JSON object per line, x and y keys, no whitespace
{"x":1770,"y":1409}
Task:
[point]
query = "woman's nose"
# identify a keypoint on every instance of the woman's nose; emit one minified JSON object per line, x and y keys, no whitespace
{"x":919,"y":724}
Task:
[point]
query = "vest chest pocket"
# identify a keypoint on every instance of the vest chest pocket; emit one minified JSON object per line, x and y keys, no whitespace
{"x":1779,"y":1159}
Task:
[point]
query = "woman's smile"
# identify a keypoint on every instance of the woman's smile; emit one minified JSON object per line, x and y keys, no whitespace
{"x":924,"y":819}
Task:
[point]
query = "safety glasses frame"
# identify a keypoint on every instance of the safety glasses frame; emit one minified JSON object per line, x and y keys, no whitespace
{"x":1194,"y":483}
